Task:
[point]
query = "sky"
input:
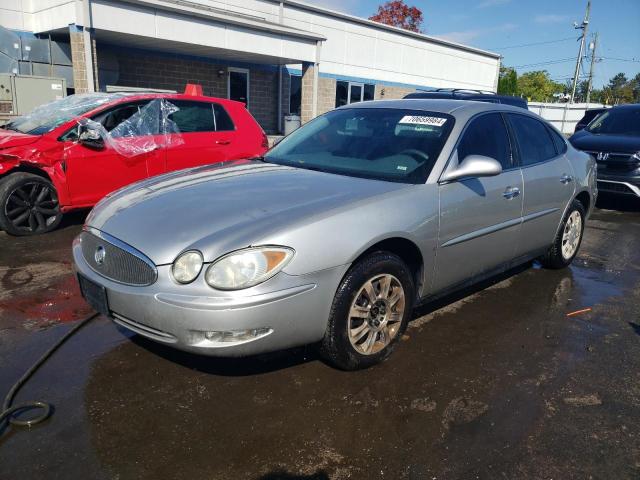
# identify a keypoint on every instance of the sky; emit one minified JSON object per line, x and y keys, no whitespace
{"x":503,"y":26}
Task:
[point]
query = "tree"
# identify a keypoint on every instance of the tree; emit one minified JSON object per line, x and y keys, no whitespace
{"x":619,"y":90}
{"x":508,"y":81}
{"x":538,"y":87}
{"x":397,"y":14}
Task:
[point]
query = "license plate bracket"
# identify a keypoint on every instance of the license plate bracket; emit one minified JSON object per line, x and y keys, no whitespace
{"x":94,"y":294}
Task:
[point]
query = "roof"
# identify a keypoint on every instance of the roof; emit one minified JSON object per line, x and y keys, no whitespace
{"x":382,"y":26}
{"x":469,"y":107}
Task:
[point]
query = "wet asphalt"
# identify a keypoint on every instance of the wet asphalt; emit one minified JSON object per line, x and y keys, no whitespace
{"x":495,"y":382}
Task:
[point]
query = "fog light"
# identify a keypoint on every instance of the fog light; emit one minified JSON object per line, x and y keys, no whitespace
{"x":233,"y":336}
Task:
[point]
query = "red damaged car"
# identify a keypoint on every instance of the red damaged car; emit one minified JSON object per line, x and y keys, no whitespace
{"x":70,"y":153}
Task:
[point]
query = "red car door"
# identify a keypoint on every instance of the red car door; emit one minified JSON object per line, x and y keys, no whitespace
{"x":93,"y":173}
{"x":201,"y":140}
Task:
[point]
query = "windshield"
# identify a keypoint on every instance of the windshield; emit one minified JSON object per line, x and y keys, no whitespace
{"x":47,"y":117}
{"x":617,"y":121}
{"x":380,"y":143}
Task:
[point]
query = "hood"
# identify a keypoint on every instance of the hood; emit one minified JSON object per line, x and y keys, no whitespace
{"x":217,"y":209}
{"x":9,"y":139}
{"x":584,"y":140}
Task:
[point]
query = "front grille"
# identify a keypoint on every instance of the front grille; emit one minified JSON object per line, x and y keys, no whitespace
{"x":616,"y":162}
{"x":614,"y":187}
{"x":120,"y":263}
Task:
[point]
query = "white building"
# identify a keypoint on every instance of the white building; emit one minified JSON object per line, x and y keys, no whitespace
{"x":279,"y":56}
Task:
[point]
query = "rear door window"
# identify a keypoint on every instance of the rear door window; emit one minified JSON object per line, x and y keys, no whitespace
{"x":486,"y":135}
{"x":534,"y":140}
{"x":193,"y":116}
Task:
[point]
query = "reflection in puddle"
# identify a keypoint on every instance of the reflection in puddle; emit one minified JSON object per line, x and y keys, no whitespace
{"x":592,"y":287}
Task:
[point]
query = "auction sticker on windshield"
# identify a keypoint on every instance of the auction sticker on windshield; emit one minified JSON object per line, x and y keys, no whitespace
{"x":421,"y":120}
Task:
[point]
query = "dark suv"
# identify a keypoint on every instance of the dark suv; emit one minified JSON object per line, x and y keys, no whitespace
{"x":589,"y":115}
{"x":464,"y":94}
{"x":613,"y":138}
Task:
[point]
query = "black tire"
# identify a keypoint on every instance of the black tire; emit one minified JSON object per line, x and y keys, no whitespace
{"x":28,"y":205}
{"x":336,"y":347}
{"x":554,"y":258}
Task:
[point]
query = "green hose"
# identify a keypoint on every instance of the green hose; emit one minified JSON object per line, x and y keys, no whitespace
{"x":10,"y":414}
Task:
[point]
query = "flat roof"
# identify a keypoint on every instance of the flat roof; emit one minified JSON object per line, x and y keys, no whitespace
{"x":382,"y":26}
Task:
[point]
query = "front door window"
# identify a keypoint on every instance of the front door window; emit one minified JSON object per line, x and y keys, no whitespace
{"x":238,"y":87}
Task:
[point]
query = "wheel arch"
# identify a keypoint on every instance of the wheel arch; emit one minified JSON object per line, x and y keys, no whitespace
{"x":585,"y":199}
{"x":404,"y":248}
{"x":27,"y":169}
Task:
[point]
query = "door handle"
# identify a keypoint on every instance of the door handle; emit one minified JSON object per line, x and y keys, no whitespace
{"x":511,"y":192}
{"x":223,"y":142}
{"x":564,"y":179}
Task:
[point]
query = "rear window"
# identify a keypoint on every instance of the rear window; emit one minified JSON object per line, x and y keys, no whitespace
{"x":534,"y":140}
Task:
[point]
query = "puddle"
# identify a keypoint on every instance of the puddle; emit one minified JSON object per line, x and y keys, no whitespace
{"x":592,"y":287}
{"x":38,"y":308}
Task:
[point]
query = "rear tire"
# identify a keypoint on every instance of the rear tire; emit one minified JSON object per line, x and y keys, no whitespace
{"x":370,"y":312}
{"x":28,"y":205}
{"x":568,"y":240}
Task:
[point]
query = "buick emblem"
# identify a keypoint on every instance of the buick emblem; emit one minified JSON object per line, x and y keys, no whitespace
{"x":100,"y":255}
{"x":602,"y":156}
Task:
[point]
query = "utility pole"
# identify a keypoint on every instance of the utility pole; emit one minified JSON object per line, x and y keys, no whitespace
{"x":593,"y":61}
{"x":583,"y":26}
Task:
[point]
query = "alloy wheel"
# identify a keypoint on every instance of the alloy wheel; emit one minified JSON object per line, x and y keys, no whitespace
{"x":376,"y":314}
{"x":32,"y":207}
{"x":571,"y":235}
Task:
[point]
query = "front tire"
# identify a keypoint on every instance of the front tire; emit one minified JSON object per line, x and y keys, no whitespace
{"x":568,"y":239}
{"x":28,"y":205}
{"x":370,"y":312}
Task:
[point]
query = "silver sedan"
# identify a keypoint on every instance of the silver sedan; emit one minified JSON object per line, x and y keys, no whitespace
{"x":339,"y":231}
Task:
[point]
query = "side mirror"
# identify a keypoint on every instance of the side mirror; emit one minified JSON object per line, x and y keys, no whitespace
{"x":473,"y":166}
{"x":91,"y":138}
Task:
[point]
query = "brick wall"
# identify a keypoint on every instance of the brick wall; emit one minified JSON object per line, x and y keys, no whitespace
{"x":148,"y":70}
{"x":306,"y":104}
{"x":80,"y":82}
{"x":387,"y":92}
{"x":326,"y":94}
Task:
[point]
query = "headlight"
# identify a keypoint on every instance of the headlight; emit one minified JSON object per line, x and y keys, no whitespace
{"x":636,"y":156}
{"x":187,"y":266}
{"x":246,"y":268}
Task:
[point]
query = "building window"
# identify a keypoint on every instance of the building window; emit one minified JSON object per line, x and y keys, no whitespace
{"x":295,"y":94}
{"x":353,"y":92}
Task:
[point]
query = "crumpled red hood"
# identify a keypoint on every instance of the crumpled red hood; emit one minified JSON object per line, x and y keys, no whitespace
{"x":10,"y":139}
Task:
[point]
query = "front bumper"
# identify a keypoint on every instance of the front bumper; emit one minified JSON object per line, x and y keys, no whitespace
{"x":288,"y":310}
{"x":619,"y":184}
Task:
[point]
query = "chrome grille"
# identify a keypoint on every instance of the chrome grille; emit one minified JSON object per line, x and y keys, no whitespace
{"x":120,"y":262}
{"x":615,"y":162}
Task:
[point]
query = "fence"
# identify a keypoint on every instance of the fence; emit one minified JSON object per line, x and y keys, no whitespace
{"x":563,"y":116}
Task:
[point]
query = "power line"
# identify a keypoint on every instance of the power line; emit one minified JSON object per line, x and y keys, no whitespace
{"x":533,"y":44}
{"x":548,"y":62}
{"x":622,"y":59}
